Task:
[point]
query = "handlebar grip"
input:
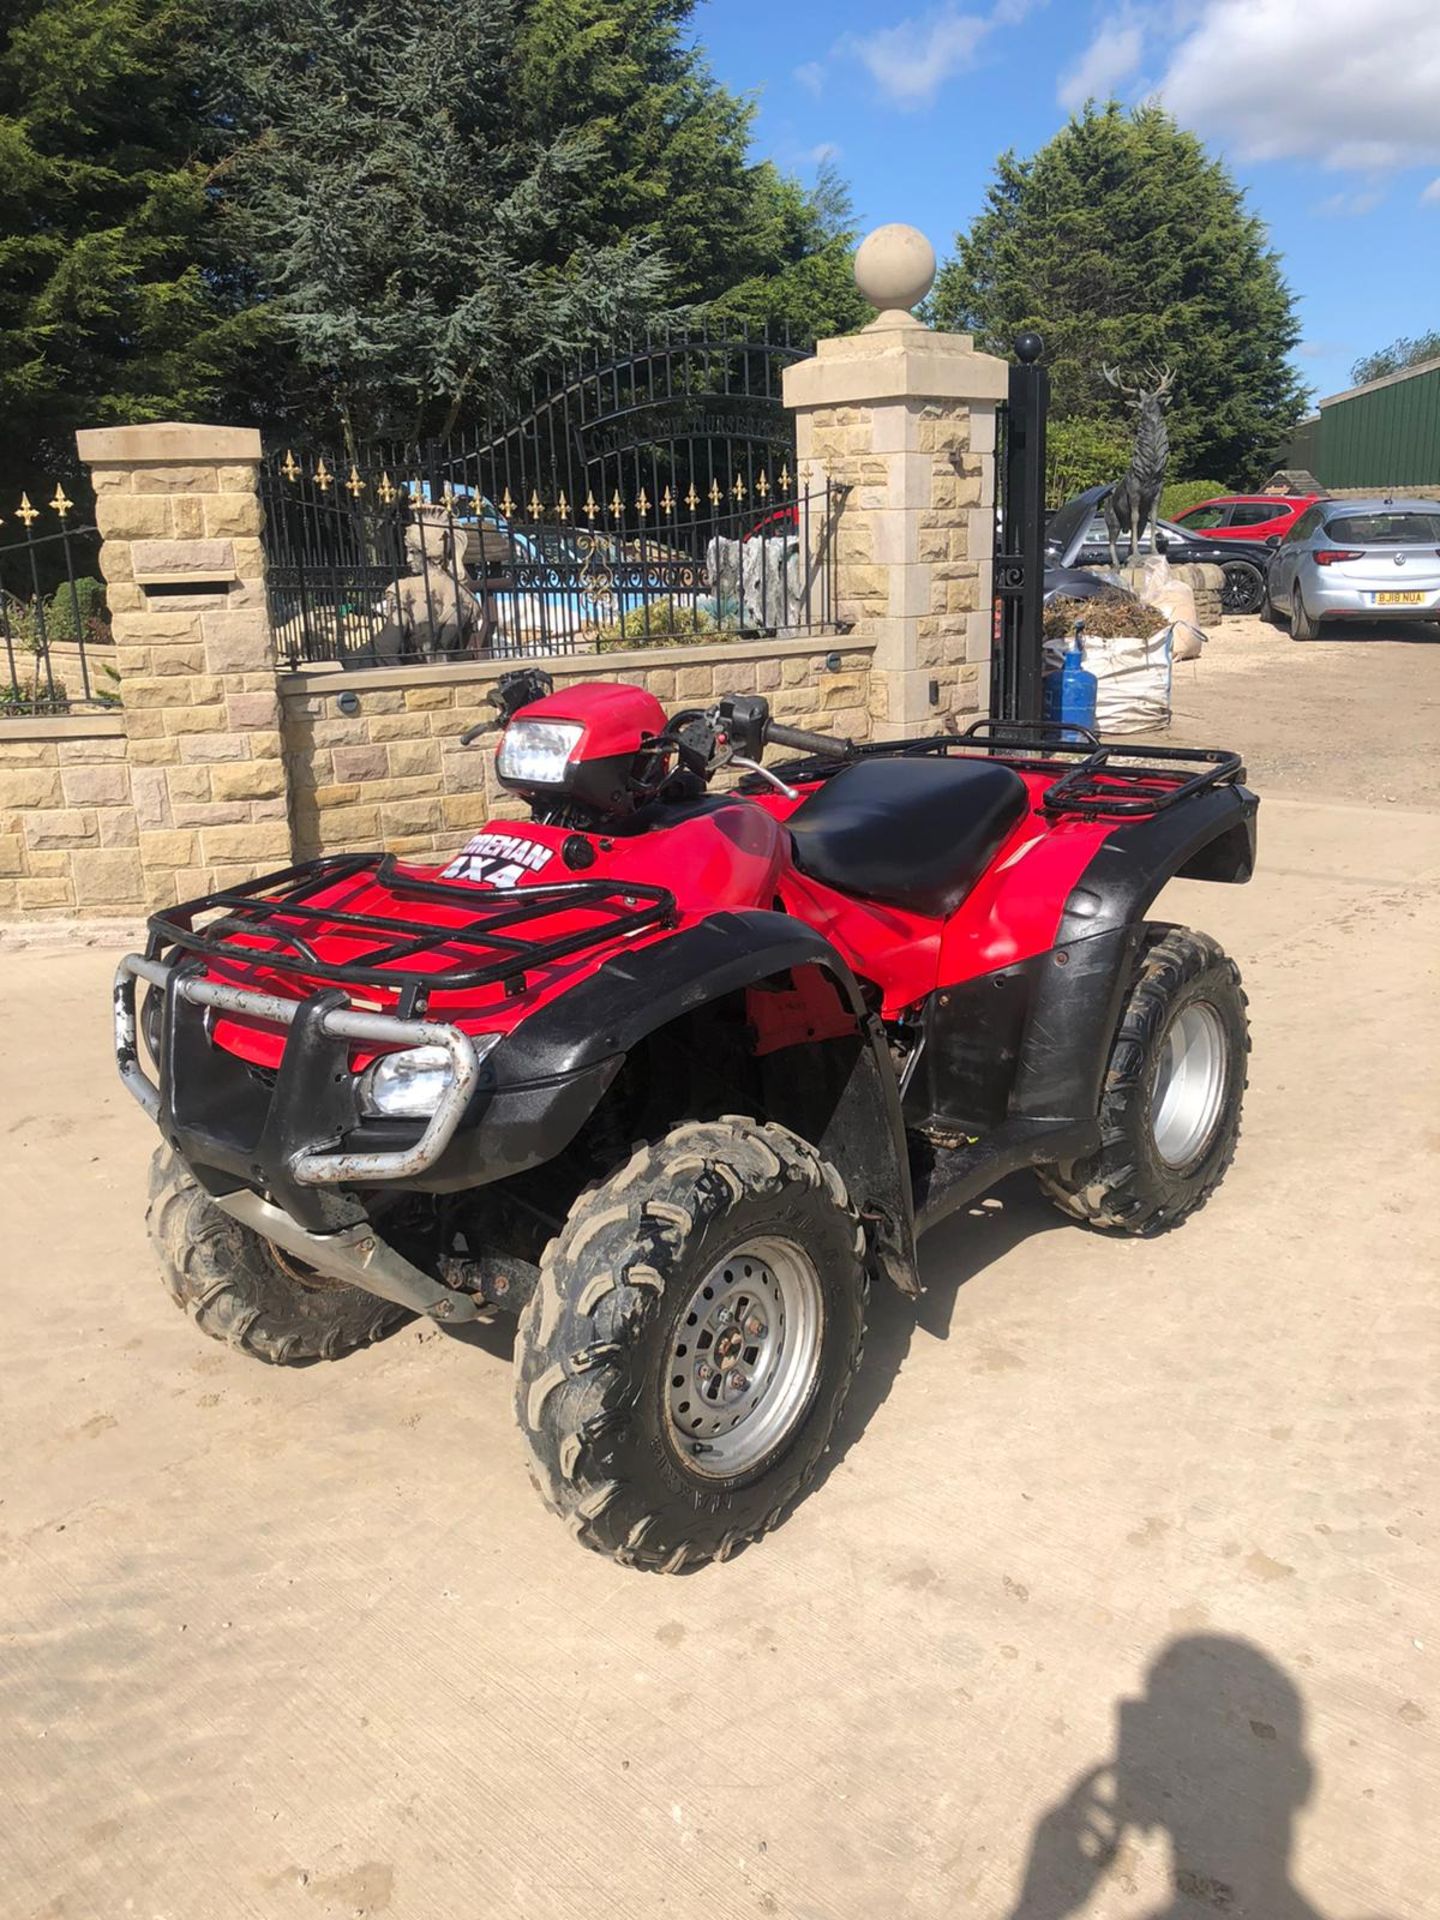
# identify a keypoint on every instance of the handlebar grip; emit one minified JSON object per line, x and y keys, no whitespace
{"x":474,"y":733}
{"x":819,"y":743}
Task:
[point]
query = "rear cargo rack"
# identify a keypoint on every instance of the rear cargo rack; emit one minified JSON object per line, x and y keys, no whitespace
{"x":408,"y":960}
{"x":1096,"y":777}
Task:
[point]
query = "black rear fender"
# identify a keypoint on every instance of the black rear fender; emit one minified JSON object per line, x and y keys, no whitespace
{"x":1077,"y":989}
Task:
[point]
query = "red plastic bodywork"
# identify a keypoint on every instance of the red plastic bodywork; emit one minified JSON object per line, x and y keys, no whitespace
{"x":734,"y":857}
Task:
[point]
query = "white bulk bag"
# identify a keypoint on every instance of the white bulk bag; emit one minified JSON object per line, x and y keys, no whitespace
{"x":1132,"y":681}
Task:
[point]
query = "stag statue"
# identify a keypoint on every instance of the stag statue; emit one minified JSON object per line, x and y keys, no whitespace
{"x":1135,"y":498}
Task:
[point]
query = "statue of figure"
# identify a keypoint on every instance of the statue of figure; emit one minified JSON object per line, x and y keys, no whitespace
{"x":1134,"y":501}
{"x":430,"y":611}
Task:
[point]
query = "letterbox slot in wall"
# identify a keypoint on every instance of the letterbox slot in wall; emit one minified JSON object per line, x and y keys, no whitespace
{"x":188,"y":586}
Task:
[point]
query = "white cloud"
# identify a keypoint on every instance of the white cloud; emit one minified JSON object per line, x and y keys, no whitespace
{"x":912,"y":61}
{"x":1276,"y":80}
{"x":1431,"y":196}
{"x":812,"y":76}
{"x":1350,"y":206}
{"x":1111,"y":57}
{"x":826,"y":152}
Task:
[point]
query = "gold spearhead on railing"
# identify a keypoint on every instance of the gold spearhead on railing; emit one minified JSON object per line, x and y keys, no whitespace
{"x":762,"y":485}
{"x":289,"y":466}
{"x":323,"y":476}
{"x":667,"y":501}
{"x":61,"y":505}
{"x":617,"y":505}
{"x":785,"y":479}
{"x":739,"y":488}
{"x":592,"y":505}
{"x":507,"y":505}
{"x":715,"y":494}
{"x":562,"y":507}
{"x":386,"y":489}
{"x":26,"y":512}
{"x":692,"y":499}
{"x":537,"y":512}
{"x":642,"y":502}
{"x":355,"y":485}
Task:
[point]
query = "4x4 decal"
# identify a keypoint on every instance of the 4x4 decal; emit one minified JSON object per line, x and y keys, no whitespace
{"x":499,"y":859}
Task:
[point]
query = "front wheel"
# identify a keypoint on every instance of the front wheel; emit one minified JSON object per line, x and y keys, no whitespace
{"x":684,"y":1359}
{"x":1170,"y":1111}
{"x":1243,"y":587}
{"x":240,"y":1289}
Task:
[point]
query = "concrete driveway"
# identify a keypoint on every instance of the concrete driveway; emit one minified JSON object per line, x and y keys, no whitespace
{"x":1119,"y":1597}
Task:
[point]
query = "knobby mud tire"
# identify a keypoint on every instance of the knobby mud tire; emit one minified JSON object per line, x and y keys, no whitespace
{"x":595,"y":1340}
{"x":1127,"y":1187}
{"x":233,"y":1286}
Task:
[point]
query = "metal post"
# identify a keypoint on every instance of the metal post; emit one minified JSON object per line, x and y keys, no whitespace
{"x":1020,"y":568}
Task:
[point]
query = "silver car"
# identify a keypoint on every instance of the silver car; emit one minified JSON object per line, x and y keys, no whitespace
{"x":1357,"y":560}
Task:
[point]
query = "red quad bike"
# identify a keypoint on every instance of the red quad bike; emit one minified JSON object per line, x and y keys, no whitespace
{"x":671,"y":1071}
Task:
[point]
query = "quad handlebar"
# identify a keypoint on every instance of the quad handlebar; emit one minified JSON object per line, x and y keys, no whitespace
{"x":824,"y":744}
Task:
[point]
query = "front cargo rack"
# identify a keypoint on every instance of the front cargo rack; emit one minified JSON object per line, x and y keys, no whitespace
{"x":411,"y":961}
{"x":1092,"y":781}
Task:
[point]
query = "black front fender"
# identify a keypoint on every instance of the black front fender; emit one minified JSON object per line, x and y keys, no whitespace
{"x":839,"y":1094}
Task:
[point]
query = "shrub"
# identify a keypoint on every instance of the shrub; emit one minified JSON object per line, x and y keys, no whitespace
{"x":1181,"y":495}
{"x":1108,"y":616}
{"x":1082,"y":453}
{"x":666,"y":624}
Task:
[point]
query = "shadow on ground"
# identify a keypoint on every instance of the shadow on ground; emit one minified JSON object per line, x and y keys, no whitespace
{"x":1213,"y":1758}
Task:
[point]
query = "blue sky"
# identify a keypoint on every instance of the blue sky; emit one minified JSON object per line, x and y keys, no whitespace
{"x":1327,"y":112}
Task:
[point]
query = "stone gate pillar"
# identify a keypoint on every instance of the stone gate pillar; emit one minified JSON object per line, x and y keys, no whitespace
{"x":905,"y":417}
{"x":179,"y":515}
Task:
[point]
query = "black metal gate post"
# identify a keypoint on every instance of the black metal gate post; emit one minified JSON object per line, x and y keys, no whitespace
{"x":1017,"y":662}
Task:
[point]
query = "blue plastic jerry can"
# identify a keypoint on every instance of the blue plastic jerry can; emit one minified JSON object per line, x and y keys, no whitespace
{"x":1069,"y":694}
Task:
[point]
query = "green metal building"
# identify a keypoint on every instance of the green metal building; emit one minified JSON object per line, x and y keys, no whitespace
{"x":1382,"y":435}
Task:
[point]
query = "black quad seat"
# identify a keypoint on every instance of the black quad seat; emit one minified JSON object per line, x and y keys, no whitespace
{"x":914,"y":833}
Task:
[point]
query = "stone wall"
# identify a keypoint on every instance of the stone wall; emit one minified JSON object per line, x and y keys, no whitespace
{"x":394,"y":774}
{"x":180,"y":519}
{"x":905,"y":419}
{"x":68,"y":838}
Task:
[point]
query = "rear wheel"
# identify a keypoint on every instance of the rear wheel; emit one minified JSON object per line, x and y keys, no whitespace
{"x":1170,"y":1111}
{"x":1302,"y":626}
{"x":682,"y":1364}
{"x":238,"y":1288}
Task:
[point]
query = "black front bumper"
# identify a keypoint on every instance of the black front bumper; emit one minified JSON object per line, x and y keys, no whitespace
{"x":296,"y":1134}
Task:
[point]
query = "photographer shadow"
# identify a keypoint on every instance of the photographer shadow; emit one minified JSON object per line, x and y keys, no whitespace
{"x":1213,"y":1756}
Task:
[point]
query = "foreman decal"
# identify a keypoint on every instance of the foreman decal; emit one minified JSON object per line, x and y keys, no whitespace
{"x":498,"y":859}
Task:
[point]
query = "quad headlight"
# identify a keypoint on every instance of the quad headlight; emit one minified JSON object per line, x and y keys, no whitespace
{"x":410,"y":1085}
{"x":536,"y":753}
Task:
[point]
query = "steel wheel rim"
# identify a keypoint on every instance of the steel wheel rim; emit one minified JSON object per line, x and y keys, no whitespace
{"x":744,"y":1358}
{"x":1190,"y":1083}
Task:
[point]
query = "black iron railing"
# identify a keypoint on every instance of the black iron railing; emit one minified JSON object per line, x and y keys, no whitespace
{"x":646,"y":494}
{"x":54,"y":627}
{"x":391,"y":573}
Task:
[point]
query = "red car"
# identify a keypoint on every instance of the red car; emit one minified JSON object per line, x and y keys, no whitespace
{"x":1246,"y":516}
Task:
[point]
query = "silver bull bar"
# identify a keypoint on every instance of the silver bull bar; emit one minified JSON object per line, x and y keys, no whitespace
{"x":356,"y":1254}
{"x":311,"y":1169}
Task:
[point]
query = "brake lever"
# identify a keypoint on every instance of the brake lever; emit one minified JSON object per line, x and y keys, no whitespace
{"x":754,"y":766}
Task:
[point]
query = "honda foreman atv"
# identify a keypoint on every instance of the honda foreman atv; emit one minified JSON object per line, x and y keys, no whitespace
{"x":671,"y":1072}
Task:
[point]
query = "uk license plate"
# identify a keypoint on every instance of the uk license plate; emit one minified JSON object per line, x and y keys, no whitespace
{"x":1401,"y":599}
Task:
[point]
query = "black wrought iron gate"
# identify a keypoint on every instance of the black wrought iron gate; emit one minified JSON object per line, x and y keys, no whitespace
{"x":1016,"y":662}
{"x":651,"y":492}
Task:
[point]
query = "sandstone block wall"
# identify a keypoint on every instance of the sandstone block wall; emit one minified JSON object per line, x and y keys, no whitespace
{"x":394,"y":774}
{"x":180,"y":518}
{"x":68,"y":837}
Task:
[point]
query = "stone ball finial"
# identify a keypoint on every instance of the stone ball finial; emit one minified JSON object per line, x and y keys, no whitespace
{"x":894,"y":270}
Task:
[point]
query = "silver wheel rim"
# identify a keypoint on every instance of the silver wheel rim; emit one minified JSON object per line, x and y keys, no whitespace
{"x":1189,"y":1084}
{"x":744,"y":1358}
